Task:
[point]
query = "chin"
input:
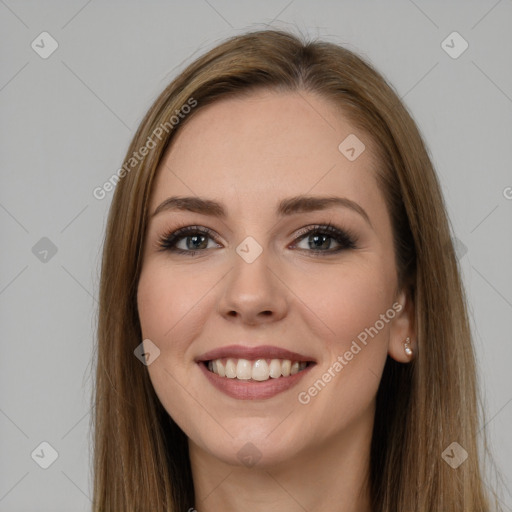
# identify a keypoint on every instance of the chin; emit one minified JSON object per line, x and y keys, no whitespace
{"x":256,"y":443}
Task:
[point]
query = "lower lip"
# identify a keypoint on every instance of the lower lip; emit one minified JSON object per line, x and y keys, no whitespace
{"x":251,"y":389}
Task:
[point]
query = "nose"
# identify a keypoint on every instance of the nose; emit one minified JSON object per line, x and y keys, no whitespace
{"x":254,"y":293}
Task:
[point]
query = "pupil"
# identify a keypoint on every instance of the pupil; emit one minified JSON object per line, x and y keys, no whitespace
{"x":194,"y":239}
{"x":316,"y":239}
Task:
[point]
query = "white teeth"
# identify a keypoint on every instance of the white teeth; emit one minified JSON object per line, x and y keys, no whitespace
{"x":230,"y":369}
{"x":221,"y":369}
{"x":243,"y":369}
{"x":275,"y":368}
{"x":259,"y":370}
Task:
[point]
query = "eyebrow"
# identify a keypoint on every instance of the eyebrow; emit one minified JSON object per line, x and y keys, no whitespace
{"x":286,"y":207}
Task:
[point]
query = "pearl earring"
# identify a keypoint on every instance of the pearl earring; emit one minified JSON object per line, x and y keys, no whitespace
{"x":407,"y":348}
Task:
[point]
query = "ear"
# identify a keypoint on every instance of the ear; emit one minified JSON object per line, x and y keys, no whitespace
{"x":402,"y":326}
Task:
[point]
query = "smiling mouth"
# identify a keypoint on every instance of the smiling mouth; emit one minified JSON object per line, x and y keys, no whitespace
{"x":259,"y":370}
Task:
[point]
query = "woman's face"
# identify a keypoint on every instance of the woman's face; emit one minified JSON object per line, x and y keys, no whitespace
{"x":268,"y":277}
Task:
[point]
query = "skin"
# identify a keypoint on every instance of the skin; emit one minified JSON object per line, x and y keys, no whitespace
{"x":249,"y":153}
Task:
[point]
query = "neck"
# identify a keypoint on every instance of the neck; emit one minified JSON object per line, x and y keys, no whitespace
{"x":332,"y":475}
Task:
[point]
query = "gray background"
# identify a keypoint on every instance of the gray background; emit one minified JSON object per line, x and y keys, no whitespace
{"x":65,"y":125}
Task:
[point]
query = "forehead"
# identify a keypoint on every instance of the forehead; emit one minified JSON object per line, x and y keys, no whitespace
{"x":268,"y":145}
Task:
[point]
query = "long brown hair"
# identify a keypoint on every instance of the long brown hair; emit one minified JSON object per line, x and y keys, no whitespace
{"x":140,"y":455}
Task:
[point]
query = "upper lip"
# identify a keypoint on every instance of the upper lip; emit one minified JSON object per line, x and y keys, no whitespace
{"x":259,"y":352}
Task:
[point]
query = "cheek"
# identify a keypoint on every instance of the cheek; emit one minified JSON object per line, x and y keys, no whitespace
{"x":350,"y":304}
{"x":172,"y":304}
{"x":165,"y":300}
{"x":166,"y":310}
{"x":348,"y":300}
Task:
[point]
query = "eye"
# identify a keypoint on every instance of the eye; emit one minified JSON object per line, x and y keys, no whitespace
{"x":319,"y":239}
{"x":188,"y":240}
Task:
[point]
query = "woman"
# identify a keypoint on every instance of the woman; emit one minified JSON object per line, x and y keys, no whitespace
{"x":282,"y":323}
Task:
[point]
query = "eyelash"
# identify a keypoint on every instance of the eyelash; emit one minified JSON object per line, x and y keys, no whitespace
{"x":345,"y":238}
